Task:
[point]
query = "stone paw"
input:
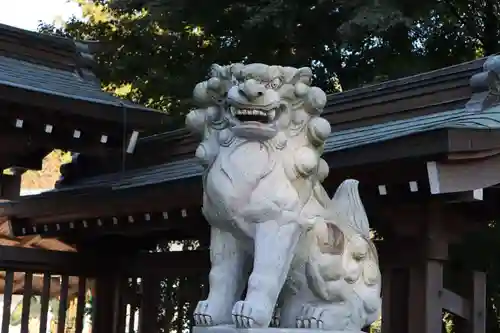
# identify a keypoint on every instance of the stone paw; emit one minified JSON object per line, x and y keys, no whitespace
{"x":310,"y":317}
{"x":318,"y":317}
{"x":201,"y":314}
{"x":207,"y":315}
{"x":247,"y":315}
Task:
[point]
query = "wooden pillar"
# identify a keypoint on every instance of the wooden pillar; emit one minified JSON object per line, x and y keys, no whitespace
{"x":109,"y":306}
{"x":10,"y":186}
{"x":119,"y":303}
{"x":426,"y":277}
{"x":395,"y":299}
{"x":102,"y":321}
{"x":102,"y":305}
{"x":428,"y":294}
{"x":148,"y":318}
{"x":414,"y":292}
{"x":412,"y":287}
{"x":425,"y":309}
{"x":479,"y":302}
{"x":472,"y":315}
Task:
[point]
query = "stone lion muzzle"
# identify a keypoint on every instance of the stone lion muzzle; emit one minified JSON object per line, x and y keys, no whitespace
{"x":255,"y":107}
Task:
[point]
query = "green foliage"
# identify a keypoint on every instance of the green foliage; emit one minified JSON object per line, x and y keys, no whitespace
{"x":15,"y":316}
{"x":35,"y":310}
{"x":155,"y":51}
{"x":376,"y":327}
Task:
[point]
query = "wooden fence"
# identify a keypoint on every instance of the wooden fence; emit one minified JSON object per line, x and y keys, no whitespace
{"x":146,"y":293}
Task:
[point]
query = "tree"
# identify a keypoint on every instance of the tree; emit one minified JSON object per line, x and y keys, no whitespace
{"x":157,"y":50}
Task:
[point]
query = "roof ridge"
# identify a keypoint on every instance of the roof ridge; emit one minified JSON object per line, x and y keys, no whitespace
{"x":48,"y":49}
{"x":176,"y":134}
{"x":34,"y":34}
{"x":465,"y":69}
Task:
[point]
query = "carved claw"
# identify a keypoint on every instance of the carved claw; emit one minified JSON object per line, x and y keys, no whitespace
{"x":242,"y":315}
{"x":317,"y":317}
{"x":311,"y":317}
{"x":201,"y":316}
{"x":206,"y":314}
{"x":246,"y":315}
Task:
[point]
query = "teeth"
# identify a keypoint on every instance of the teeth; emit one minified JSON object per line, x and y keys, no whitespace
{"x":245,"y":112}
{"x":271,"y":115}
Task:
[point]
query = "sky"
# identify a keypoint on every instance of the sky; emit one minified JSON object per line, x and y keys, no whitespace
{"x":26,"y":14}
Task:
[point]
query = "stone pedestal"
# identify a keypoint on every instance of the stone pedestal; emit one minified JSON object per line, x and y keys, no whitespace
{"x":232,"y":329}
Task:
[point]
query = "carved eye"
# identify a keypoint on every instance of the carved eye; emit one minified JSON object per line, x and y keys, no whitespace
{"x":274,"y":84}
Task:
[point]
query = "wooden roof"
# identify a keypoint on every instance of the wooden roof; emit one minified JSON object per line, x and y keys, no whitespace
{"x":419,"y":95}
{"x":63,"y":68}
{"x":383,"y":135}
{"x":50,"y":98}
{"x":34,"y":242}
{"x":433,"y":92}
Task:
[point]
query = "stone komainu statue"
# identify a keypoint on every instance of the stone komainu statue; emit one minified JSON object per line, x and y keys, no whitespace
{"x":274,"y":229}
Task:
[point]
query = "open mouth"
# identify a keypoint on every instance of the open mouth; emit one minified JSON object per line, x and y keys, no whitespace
{"x":246,"y":115}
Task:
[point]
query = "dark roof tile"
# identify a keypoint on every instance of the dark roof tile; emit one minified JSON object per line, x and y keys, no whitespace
{"x":53,"y":81}
{"x":460,"y":118}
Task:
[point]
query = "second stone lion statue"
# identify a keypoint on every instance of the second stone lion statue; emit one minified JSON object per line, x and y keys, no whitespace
{"x":302,"y":257}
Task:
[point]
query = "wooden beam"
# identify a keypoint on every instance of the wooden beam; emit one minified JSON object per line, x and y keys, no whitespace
{"x":104,"y":201}
{"x":469,"y":196}
{"x":395,"y":299}
{"x":452,"y":177}
{"x":409,"y":148}
{"x":99,"y":112}
{"x":455,"y":304}
{"x":53,"y":245}
{"x":39,"y":128}
{"x":426,"y":285}
{"x":29,"y":240}
{"x":185,"y":220}
{"x":91,"y":263}
{"x":479,"y":303}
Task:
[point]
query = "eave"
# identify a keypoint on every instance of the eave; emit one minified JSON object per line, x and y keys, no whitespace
{"x":388,"y":156}
{"x":113,"y":202}
{"x":136,"y":116}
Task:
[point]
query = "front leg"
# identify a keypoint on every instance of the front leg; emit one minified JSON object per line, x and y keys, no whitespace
{"x":275,"y":245}
{"x":226,"y":281}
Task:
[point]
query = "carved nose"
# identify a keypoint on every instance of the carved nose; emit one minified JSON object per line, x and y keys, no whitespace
{"x":251,"y":90}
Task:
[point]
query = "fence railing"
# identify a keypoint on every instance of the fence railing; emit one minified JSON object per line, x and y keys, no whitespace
{"x":62,"y":292}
